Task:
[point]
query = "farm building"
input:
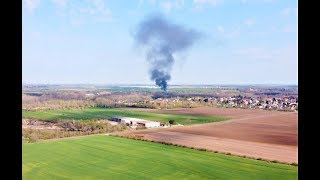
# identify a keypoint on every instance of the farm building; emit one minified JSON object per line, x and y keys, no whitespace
{"x":135,"y":122}
{"x":116,"y":118}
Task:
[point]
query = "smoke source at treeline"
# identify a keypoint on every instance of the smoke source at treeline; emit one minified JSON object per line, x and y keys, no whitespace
{"x":162,"y":39}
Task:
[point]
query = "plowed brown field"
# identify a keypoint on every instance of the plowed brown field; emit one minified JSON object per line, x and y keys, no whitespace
{"x":271,"y":135}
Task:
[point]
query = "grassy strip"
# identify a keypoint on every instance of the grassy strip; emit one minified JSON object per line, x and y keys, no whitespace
{"x":107,"y":113}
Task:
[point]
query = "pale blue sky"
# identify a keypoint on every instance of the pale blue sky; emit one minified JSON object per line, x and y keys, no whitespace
{"x":89,"y":41}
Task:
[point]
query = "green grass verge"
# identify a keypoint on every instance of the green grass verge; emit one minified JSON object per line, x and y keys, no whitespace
{"x":107,"y":157}
{"x":105,"y":113}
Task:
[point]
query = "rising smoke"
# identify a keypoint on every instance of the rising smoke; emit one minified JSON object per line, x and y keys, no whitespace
{"x":162,"y":39}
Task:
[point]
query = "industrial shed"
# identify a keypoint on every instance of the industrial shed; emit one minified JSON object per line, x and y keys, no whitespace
{"x":135,"y":122}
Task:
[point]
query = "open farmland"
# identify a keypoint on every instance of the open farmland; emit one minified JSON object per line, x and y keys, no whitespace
{"x":233,"y":113}
{"x":105,"y":157}
{"x":105,"y":113}
{"x":270,"y":135}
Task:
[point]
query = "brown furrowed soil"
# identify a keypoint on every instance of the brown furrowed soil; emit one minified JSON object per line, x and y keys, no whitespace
{"x":270,"y":135}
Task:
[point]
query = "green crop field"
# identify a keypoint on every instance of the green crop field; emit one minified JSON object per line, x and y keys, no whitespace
{"x":105,"y":113}
{"x":107,"y":157}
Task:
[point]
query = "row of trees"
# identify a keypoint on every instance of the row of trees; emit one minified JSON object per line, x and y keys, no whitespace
{"x":75,"y":100}
{"x":81,"y":100}
{"x":36,"y":104}
{"x":70,"y":128}
{"x":57,"y":104}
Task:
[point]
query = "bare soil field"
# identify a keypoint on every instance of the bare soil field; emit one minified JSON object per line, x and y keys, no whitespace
{"x":271,"y":135}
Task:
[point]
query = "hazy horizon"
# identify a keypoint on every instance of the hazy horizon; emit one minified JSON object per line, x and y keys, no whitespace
{"x":150,"y":84}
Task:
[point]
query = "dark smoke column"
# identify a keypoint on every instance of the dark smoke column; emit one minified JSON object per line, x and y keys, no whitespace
{"x":161,"y":40}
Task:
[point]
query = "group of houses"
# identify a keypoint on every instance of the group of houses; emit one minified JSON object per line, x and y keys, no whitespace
{"x":283,"y":103}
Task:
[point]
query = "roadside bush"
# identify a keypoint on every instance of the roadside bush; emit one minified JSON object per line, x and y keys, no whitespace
{"x":202,"y":149}
{"x":33,"y":137}
{"x":90,"y":126}
{"x":294,"y":164}
{"x":172,"y":121}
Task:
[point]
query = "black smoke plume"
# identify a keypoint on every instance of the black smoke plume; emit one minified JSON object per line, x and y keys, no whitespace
{"x":162,"y":39}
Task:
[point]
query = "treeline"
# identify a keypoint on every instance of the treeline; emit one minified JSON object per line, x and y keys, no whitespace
{"x":81,"y":100}
{"x":57,"y":104}
{"x":114,"y":100}
{"x":68,"y":129}
{"x":84,"y":99}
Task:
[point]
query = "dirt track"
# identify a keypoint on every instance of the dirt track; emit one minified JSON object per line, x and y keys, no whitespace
{"x":269,"y":135}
